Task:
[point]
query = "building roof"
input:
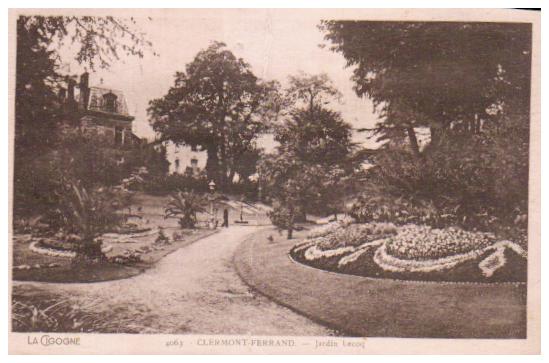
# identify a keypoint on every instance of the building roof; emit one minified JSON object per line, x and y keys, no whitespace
{"x":97,"y":100}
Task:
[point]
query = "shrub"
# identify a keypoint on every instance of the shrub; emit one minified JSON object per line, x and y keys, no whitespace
{"x":88,"y":215}
{"x":162,"y":239}
{"x":477,"y":181}
{"x":375,"y":206}
{"x":166,"y":184}
{"x":284,"y":218}
{"x":185,"y":205}
{"x":38,"y":181}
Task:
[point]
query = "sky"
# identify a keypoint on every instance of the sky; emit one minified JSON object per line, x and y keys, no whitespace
{"x":276,"y":44}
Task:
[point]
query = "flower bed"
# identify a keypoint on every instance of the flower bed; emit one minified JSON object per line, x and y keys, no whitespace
{"x":426,"y":243}
{"x":340,"y":235}
{"x":38,"y":248}
{"x":380,"y":250}
{"x":43,"y":248}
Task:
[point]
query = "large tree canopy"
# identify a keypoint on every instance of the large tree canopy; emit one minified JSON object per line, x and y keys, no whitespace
{"x":219,"y":105}
{"x":433,"y":74}
{"x":313,"y":162}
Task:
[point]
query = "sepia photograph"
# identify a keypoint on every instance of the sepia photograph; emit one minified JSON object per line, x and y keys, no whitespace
{"x":273,"y":180}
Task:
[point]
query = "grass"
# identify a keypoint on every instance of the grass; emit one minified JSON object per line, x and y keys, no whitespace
{"x":374,"y":307}
{"x":38,"y":311}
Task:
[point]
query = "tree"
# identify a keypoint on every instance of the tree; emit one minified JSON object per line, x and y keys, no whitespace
{"x":282,"y":177}
{"x":313,"y":161}
{"x":38,"y":113}
{"x":435,"y":74}
{"x":316,"y":136}
{"x":311,"y":91}
{"x":219,"y":105}
{"x":245,"y":164}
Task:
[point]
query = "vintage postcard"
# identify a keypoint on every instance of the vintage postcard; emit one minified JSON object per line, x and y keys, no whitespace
{"x":274,"y":181}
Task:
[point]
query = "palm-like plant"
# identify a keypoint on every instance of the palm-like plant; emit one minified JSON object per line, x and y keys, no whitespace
{"x":185,"y":205}
{"x":89,"y":215}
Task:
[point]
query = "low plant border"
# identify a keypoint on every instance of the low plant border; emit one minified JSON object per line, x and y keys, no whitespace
{"x":411,"y":281}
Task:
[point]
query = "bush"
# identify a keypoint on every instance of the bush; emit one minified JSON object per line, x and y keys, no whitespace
{"x":374,"y":206}
{"x":83,"y":158}
{"x":283,"y":218}
{"x":162,"y":239}
{"x":476,"y":181}
{"x":88,"y":215}
{"x":185,"y":206}
{"x":166,"y":184}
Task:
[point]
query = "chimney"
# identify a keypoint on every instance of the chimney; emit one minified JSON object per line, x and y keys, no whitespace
{"x":70,"y":101}
{"x":71,"y":83}
{"x":85,"y":89}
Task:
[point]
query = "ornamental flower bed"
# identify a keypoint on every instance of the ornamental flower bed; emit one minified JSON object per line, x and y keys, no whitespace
{"x":44,"y":249}
{"x":425,"y":243}
{"x":350,"y":235}
{"x":414,"y":253}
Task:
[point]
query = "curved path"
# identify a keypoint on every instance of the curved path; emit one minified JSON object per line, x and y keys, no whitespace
{"x":370,"y":307}
{"x":193,"y":290}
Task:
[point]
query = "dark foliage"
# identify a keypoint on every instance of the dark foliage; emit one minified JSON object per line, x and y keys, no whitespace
{"x":166,"y":184}
{"x":219,"y":105}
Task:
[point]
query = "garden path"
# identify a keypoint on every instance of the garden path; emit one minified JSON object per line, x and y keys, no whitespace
{"x":193,"y":290}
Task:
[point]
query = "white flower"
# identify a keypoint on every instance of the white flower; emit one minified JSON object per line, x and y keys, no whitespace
{"x":50,"y":252}
{"x":395,"y":264}
{"x":359,"y":252}
{"x":315,"y":253}
{"x":493,"y":262}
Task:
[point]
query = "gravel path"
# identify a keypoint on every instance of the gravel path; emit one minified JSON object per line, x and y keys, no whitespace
{"x":193,"y":290}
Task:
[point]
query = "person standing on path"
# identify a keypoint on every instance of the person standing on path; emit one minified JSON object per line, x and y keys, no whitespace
{"x":225,"y":218}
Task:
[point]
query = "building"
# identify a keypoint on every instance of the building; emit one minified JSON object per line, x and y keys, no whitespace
{"x":185,"y":159}
{"x":191,"y":160}
{"x":100,"y":111}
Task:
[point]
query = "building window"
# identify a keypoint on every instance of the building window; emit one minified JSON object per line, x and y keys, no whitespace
{"x":110,"y":102}
{"x":194,"y":148}
{"x":194,"y":166}
{"x":118,"y":136}
{"x":177,"y":165}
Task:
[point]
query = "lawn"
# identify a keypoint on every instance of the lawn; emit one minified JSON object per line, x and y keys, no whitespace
{"x":372,"y":307}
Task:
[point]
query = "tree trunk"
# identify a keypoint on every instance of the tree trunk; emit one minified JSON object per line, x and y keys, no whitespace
{"x":477,"y":124}
{"x":231,"y":176}
{"x":413,"y":140}
{"x":90,"y":250}
{"x":302,"y":216}
{"x":212,"y":164}
{"x":223,"y":164}
{"x":290,"y":221}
